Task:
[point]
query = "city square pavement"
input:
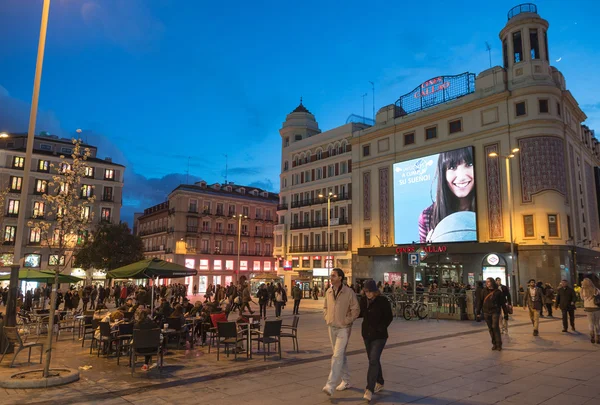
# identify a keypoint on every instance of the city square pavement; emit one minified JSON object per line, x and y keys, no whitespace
{"x":425,"y":362}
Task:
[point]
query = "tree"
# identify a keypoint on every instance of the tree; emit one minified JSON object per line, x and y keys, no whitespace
{"x":67,"y":221}
{"x":111,"y":247}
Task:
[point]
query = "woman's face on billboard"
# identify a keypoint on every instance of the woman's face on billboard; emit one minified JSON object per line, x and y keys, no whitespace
{"x":460,"y":179}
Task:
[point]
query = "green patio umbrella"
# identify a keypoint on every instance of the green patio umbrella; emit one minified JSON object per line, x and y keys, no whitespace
{"x":151,"y":268}
{"x":42,"y":276}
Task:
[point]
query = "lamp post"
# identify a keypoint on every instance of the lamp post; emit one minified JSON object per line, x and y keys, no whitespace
{"x":507,"y":159}
{"x":14,"y":272}
{"x":239,"y":218}
{"x":329,"y":196}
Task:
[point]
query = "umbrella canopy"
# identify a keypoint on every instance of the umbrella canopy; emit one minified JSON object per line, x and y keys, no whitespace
{"x":266,"y":276}
{"x":151,"y":268}
{"x":42,"y":276}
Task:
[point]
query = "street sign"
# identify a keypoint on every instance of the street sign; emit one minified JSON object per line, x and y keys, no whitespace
{"x":413,"y":259}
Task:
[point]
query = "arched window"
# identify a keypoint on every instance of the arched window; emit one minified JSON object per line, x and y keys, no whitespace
{"x":285,"y":166}
{"x":331,"y":151}
{"x":319,"y":154}
{"x":307,"y":159}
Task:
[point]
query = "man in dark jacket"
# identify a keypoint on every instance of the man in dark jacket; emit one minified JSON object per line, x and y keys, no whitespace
{"x":493,"y":304}
{"x":297,"y":295}
{"x":532,"y":301}
{"x":376,"y":311}
{"x":565,"y":299}
{"x":478,"y":301}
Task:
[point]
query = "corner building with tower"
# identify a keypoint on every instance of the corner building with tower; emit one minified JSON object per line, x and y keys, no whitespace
{"x":516,"y":124}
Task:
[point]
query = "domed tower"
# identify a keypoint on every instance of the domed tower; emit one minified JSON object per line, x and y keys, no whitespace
{"x":525,"y":48}
{"x":298,"y":125}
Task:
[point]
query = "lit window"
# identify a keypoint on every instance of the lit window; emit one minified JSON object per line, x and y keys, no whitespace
{"x":13,"y":207}
{"x":218,"y":265}
{"x":9,"y":233}
{"x":41,"y":186}
{"x":87,"y":191}
{"x":243,"y":265}
{"x":204,"y":264}
{"x":18,"y":162}
{"x":16,"y":183}
{"x":64,"y":188}
{"x":528,"y":226}
{"x":105,"y":214}
{"x":32,"y":260}
{"x":256,"y":265}
{"x":53,"y":260}
{"x":89,"y":172}
{"x":190,"y":263}
{"x":35,"y":235}
{"x":38,"y":209}
{"x":85,"y":213}
{"x":43,"y":166}
{"x":65,"y":167}
{"x":553,"y":226}
{"x":267,"y":266}
{"x":229,"y":264}
{"x":109,"y":174}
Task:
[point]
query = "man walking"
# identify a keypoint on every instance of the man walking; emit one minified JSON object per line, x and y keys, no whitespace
{"x":340,"y":309}
{"x":297,"y":295}
{"x":507,"y":304}
{"x":565,"y":299}
{"x":532,"y":301}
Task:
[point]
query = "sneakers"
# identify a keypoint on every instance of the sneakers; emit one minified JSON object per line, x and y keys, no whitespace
{"x":368,"y":395}
{"x":343,"y":386}
{"x":564,"y":331}
{"x":328,"y":390}
{"x":145,"y":367}
{"x":154,"y":365}
{"x":378,"y":387}
{"x":535,"y":332}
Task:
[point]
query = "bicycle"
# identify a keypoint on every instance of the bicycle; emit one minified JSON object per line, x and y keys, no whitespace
{"x":415,"y":309}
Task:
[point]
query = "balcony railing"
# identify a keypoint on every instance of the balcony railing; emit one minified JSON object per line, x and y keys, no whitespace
{"x":319,"y":200}
{"x":205,"y":230}
{"x":157,"y":248}
{"x":281,"y":207}
{"x":193,"y":210}
{"x":152,"y":231}
{"x":108,"y":199}
{"x":228,"y":252}
{"x":336,"y":247}
{"x":522,"y":8}
{"x":320,"y":223}
{"x":192,"y":229}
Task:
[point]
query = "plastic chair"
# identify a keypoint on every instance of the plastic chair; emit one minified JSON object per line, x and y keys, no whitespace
{"x":214,"y":319}
{"x":14,"y":339}
{"x":293,"y":334}
{"x":270,"y":334}
{"x":227,"y":335}
{"x":145,"y":342}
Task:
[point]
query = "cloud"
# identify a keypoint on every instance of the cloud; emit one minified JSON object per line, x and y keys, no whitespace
{"x":14,"y":116}
{"x":265,"y":184}
{"x":244,"y":171}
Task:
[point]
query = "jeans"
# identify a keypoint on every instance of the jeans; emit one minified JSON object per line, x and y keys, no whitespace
{"x":549,"y":309}
{"x":278,"y":306}
{"x":296,"y":306}
{"x":534,"y":315}
{"x":339,"y":362}
{"x":263,"y":309}
{"x":493,"y":323}
{"x":374,"y":374}
{"x":571,"y":313}
{"x":594,"y":323}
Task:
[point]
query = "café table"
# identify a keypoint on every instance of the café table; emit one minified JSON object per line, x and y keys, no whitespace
{"x":195,"y":322}
{"x":248,"y":326}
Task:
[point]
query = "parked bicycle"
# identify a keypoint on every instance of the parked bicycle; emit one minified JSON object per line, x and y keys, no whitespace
{"x":415,"y":310}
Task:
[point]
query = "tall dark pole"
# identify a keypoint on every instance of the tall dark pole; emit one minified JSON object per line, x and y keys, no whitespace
{"x":373,"y":91}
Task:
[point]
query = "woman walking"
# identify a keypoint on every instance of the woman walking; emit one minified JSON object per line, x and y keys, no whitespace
{"x":376,"y":312}
{"x":588,"y":295}
{"x":493,"y":302}
{"x":280,"y":299}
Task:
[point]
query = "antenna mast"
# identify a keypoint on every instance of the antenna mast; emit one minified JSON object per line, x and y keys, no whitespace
{"x":489,"y":49}
{"x":373,"y":90}
{"x":226,"y":169}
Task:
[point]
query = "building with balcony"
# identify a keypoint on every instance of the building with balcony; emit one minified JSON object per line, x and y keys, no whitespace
{"x":437,"y":166}
{"x":104,"y":180}
{"x":198,"y":227}
{"x":314,"y":165}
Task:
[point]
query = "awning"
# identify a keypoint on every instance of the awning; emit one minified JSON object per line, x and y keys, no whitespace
{"x":151,"y":268}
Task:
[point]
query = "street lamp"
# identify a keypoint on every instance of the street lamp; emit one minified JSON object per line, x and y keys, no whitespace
{"x":239,"y":218}
{"x":3,"y":135}
{"x":507,"y":159}
{"x":329,"y":196}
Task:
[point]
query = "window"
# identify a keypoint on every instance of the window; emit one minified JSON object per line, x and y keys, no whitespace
{"x":305,"y":261}
{"x":192,"y":205}
{"x":552,"y":225}
{"x":85,"y":213}
{"x":87,"y":191}
{"x":64,"y":188}
{"x":18,"y":162}
{"x":330,"y":170}
{"x":35,"y":235}
{"x":285,"y":166}
{"x":367,"y":235}
{"x":517,"y":47}
{"x":366,"y":150}
{"x":319,"y":154}
{"x":66,"y":150}
{"x":534,"y":44}
{"x":38,"y":209}
{"x":9,"y":234}
{"x":43,"y":166}
{"x":528,"y":226}
{"x":220,"y":209}
{"x":297,"y":137}
{"x":543,"y":104}
{"x":520,"y":109}
{"x":41,"y":186}
{"x":287,"y":141}
{"x":65,"y":167}
{"x":245,"y":211}
{"x":16,"y":183}
{"x":13,"y":207}
{"x":89,"y":172}
{"x":207,"y":207}
{"x":546,"y":45}
{"x":430,"y":133}
{"x":109,"y":174}
{"x":455,"y":126}
{"x":53,"y":260}
{"x":558,"y":109}
{"x":45,"y":146}
{"x":409,"y":138}
{"x":343,"y":168}
{"x":505,"y":53}
{"x":107,"y":195}
{"x":32,"y":260}
{"x":105,"y":214}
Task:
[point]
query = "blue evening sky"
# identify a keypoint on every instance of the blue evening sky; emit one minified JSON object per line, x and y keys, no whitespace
{"x":153,"y":82}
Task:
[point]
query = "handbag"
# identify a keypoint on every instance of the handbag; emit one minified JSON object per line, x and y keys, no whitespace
{"x":509,"y":309}
{"x":597,"y":298}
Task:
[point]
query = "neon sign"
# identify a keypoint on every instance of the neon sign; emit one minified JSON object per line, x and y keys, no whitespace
{"x":431,"y":86}
{"x":427,"y":249}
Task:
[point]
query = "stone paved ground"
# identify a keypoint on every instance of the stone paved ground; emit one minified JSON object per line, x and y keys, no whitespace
{"x":425,"y":362}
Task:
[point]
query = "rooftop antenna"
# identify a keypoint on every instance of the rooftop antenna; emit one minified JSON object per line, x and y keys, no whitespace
{"x":363,"y":97}
{"x":373,"y":90}
{"x":227,"y":157}
{"x":489,"y":49}
{"x":187,"y":174}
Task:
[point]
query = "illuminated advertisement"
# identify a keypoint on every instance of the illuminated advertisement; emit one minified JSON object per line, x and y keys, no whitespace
{"x":32,"y":260}
{"x":434,"y":198}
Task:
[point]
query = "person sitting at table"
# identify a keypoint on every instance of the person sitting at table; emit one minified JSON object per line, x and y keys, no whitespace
{"x":187,"y":305}
{"x":114,"y":318}
{"x":143,"y":322}
{"x":178,"y":313}
{"x":128,"y":306}
{"x":101,"y":311}
{"x":164,"y":309}
{"x":195,"y":310}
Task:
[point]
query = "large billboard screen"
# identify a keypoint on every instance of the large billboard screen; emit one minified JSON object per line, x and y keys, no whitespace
{"x":434,"y":198}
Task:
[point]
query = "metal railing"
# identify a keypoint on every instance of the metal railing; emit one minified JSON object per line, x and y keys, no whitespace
{"x":522,"y":8}
{"x":319,"y":248}
{"x":320,"y":223}
{"x":439,"y":305}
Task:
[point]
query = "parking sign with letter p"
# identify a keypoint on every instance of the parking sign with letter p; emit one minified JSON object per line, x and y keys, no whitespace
{"x":413,"y":259}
